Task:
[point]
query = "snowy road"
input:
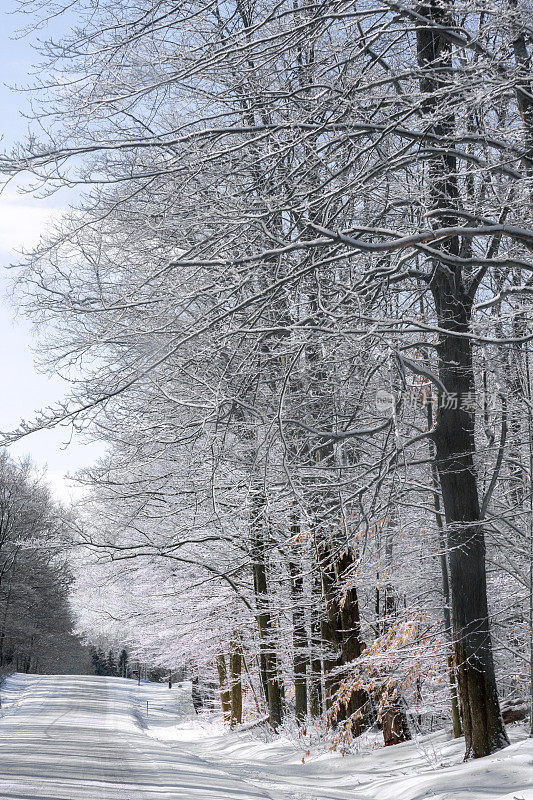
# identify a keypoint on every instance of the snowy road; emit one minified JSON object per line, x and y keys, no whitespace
{"x":90,"y":738}
{"x":77,"y":738}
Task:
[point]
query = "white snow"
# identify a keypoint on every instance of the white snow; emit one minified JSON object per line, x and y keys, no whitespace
{"x":78,"y":738}
{"x":90,"y":738}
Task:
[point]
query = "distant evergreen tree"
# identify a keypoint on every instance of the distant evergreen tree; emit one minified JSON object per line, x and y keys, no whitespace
{"x":98,"y":661}
{"x":123,"y":663}
{"x":107,"y":665}
{"x":111,"y":665}
{"x":101,"y":664}
{"x":94,"y":660}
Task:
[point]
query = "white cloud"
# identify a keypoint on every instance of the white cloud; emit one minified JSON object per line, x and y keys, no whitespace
{"x":23,"y":220}
{"x":64,"y":489}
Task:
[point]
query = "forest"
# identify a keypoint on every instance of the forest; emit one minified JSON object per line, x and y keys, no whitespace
{"x":291,"y":289}
{"x":36,"y":617}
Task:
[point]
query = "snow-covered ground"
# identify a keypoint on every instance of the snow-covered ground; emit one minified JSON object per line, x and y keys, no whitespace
{"x":89,"y":738}
{"x":78,"y":738}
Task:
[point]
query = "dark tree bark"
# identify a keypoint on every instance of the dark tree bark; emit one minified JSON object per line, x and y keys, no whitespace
{"x":225,"y":697}
{"x":395,"y":725}
{"x":455,"y":448}
{"x":315,"y":681}
{"x":341,"y":631}
{"x":300,"y":643}
{"x":329,"y":629}
{"x":269,"y":667}
{"x":394,"y":720}
{"x":235,"y":661}
{"x":352,"y":644}
{"x":456,"y":717}
{"x":454,"y":429}
{"x":523,"y":89}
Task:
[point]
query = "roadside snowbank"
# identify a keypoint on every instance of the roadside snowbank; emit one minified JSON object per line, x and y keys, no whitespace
{"x":431,"y":768}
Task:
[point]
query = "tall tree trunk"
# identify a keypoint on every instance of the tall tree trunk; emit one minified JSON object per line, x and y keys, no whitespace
{"x":454,"y":429}
{"x":352,"y":645}
{"x":456,"y":717}
{"x":394,"y":719}
{"x":524,"y":89}
{"x":341,"y":631}
{"x":455,"y":448}
{"x":300,"y":641}
{"x":315,"y":680}
{"x":269,"y":667}
{"x":225,"y":697}
{"x":329,"y":629}
{"x":235,"y":668}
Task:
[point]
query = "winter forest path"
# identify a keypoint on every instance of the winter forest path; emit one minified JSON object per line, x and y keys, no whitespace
{"x":80,"y":738}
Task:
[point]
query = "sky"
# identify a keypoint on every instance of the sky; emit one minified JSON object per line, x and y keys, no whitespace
{"x":25,"y":389}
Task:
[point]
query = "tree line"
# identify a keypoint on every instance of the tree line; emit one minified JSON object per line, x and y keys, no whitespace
{"x":36,"y":619}
{"x":108,"y":664}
